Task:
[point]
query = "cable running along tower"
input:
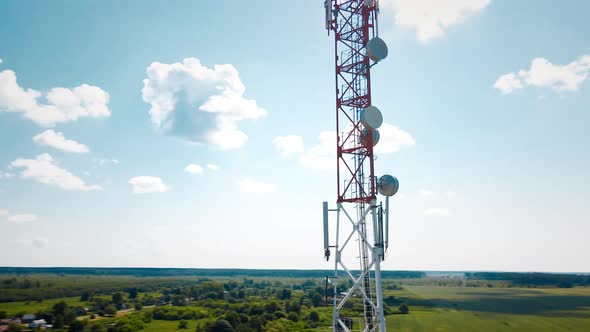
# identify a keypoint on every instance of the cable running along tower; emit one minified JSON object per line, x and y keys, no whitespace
{"x":357,"y":273}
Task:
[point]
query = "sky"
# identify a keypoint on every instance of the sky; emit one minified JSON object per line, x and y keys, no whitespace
{"x":198,"y":133}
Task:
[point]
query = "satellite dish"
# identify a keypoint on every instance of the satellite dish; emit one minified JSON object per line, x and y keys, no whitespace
{"x":365,"y":136}
{"x":376,"y":49}
{"x":388,"y":185}
{"x":371,"y":117}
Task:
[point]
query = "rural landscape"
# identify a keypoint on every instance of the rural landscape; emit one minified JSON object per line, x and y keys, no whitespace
{"x":294,"y":166}
{"x":215,"y":300}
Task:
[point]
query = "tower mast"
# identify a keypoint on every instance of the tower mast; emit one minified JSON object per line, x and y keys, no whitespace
{"x":354,"y":23}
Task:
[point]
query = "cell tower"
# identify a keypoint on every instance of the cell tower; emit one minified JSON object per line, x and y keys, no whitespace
{"x":357,"y":49}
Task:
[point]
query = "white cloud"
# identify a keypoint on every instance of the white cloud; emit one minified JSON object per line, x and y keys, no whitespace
{"x":99,"y":162}
{"x":1,"y":61}
{"x":59,"y":105}
{"x":508,"y":83}
{"x":57,"y":140}
{"x":558,"y":77}
{"x":393,"y":139}
{"x":212,"y":167}
{"x":438,"y":212}
{"x":543,"y":73}
{"x":248,"y":185}
{"x":5,"y":175}
{"x":288,"y":144}
{"x":323,"y":155}
{"x":194,"y":169}
{"x":431,"y":18}
{"x":199,"y":104}
{"x":3,"y":213}
{"x":22,"y":218}
{"x":44,"y":169}
{"x":148,"y":184}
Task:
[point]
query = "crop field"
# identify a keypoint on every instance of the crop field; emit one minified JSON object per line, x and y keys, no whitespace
{"x":440,"y":308}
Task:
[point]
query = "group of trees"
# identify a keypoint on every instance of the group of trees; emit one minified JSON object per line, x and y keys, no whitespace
{"x":177,"y":272}
{"x":534,"y":278}
{"x":243,"y":307}
{"x":246,"y":305}
{"x":44,"y":287}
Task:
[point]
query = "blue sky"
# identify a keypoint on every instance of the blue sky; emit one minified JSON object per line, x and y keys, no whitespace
{"x":486,"y":104}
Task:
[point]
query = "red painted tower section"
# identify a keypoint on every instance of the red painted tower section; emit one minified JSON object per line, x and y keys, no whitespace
{"x":354,"y":23}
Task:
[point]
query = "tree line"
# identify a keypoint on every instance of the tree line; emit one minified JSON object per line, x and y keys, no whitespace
{"x":534,"y":278}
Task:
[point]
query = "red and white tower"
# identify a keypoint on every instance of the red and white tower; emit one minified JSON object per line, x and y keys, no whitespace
{"x":357,"y":49}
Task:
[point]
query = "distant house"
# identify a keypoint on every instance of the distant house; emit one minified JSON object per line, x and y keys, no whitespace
{"x":27,"y":318}
{"x":37,"y":323}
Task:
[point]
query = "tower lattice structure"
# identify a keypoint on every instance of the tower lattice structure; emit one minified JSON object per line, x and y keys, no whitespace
{"x":354,"y":24}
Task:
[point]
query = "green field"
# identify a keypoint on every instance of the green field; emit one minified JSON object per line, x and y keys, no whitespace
{"x":12,"y":308}
{"x":287,"y":304}
{"x":434,"y":308}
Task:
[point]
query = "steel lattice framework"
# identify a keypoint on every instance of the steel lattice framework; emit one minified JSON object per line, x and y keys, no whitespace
{"x":354,"y":23}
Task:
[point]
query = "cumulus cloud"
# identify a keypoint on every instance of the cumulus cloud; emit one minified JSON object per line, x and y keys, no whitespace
{"x":543,"y":73}
{"x":45,"y":169}
{"x":248,"y":185}
{"x":323,"y":154}
{"x":100,"y":162}
{"x":58,"y":105}
{"x":194,"y":169}
{"x":438,"y":212}
{"x":57,"y":140}
{"x":3,"y":213}
{"x":288,"y":144}
{"x":212,"y":167}
{"x":508,"y":83}
{"x":148,"y":184}
{"x":1,"y":61}
{"x":430,"y":18}
{"x":393,"y":139}
{"x":199,"y":104}
{"x":22,"y":218}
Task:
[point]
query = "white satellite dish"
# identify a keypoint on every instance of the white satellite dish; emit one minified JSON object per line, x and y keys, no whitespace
{"x":371,"y":117}
{"x":388,"y":185}
{"x":376,"y":49}
{"x":365,"y":135}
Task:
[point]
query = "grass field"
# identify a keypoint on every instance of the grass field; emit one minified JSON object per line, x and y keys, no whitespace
{"x":434,"y":308}
{"x":12,"y":308}
{"x":440,"y":308}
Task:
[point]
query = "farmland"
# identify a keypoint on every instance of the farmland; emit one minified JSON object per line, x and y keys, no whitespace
{"x":287,"y":301}
{"x":445,"y":308}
